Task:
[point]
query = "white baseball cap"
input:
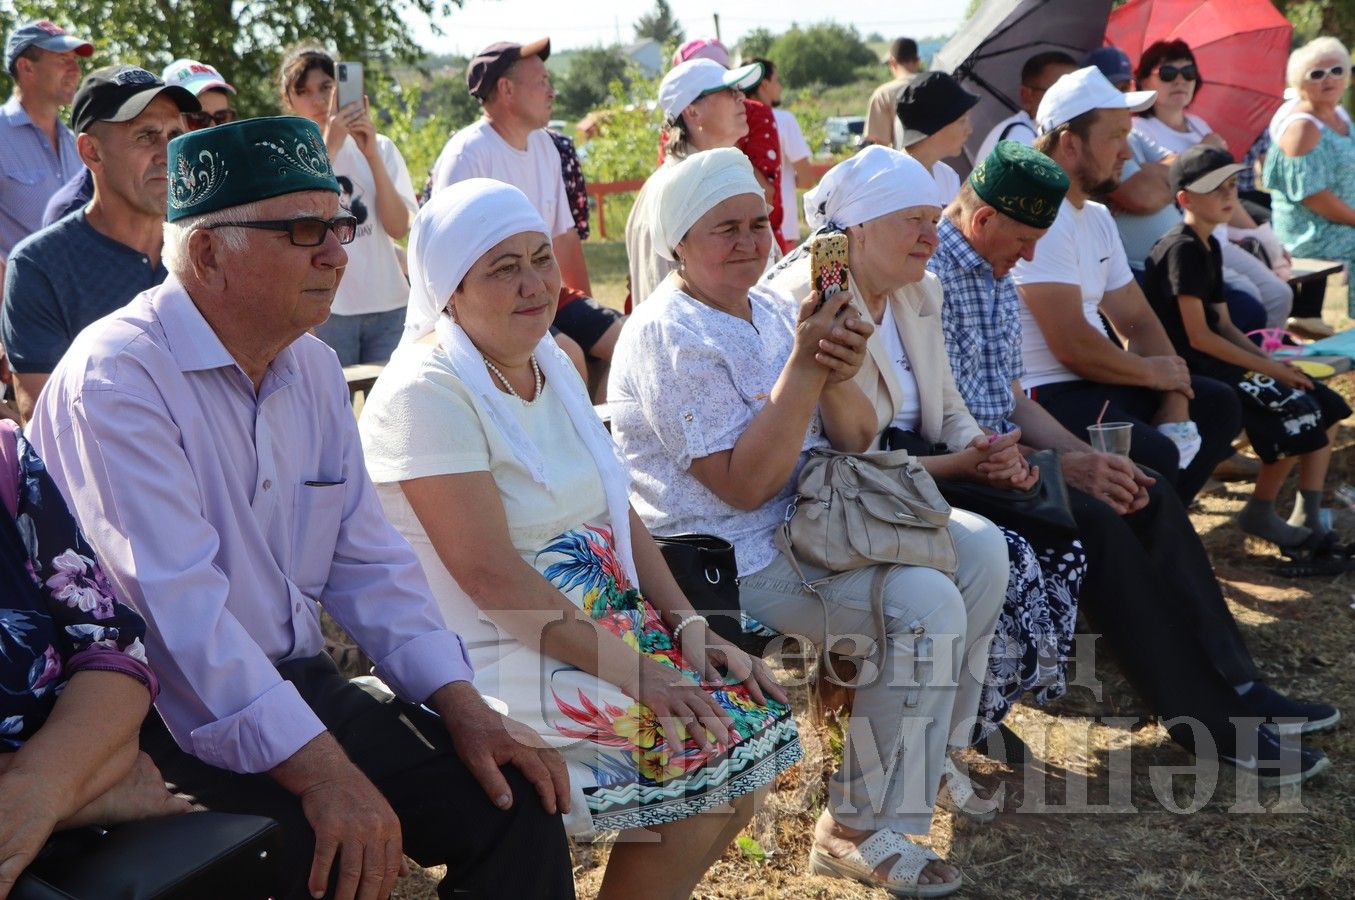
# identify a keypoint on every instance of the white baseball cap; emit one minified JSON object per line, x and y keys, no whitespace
{"x":194,"y":76}
{"x":1082,"y":91}
{"x":698,"y":77}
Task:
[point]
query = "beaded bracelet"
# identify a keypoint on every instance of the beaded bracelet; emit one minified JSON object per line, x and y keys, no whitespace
{"x":694,"y":617}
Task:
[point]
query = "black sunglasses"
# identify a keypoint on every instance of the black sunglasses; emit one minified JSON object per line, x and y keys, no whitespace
{"x":1168,"y":73}
{"x":204,"y":119}
{"x":306,"y":231}
{"x":1319,"y":74}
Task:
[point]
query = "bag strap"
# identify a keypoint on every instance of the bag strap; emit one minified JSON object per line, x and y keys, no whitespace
{"x":877,"y":604}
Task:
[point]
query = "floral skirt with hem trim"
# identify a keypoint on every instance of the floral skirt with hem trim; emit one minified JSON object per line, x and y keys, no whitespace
{"x":624,"y":771}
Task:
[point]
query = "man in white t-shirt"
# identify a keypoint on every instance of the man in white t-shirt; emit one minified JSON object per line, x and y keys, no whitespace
{"x":510,"y":144}
{"x":1037,"y":75}
{"x":795,"y":170}
{"x":1183,"y":426}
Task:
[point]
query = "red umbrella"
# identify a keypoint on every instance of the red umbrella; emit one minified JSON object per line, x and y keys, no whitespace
{"x":1241,"y":47}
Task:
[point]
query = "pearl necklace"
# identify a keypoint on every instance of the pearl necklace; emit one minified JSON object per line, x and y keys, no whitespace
{"x":536,"y":375}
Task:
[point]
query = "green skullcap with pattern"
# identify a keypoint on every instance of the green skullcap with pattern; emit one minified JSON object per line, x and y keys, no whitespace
{"x":241,"y":162}
{"x":1021,"y":182}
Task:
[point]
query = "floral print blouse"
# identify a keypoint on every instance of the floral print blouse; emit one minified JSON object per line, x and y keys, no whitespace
{"x":58,"y":614}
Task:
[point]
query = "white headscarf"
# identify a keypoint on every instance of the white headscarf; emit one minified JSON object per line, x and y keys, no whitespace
{"x":460,"y":224}
{"x":873,"y":183}
{"x":695,"y":186}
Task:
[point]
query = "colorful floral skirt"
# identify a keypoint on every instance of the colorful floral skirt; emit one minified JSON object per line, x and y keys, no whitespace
{"x":624,"y":769}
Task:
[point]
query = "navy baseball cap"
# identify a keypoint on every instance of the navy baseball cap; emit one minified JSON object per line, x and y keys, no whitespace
{"x":488,"y":66}
{"x":120,"y":94}
{"x":1113,"y":63}
{"x":46,"y":36}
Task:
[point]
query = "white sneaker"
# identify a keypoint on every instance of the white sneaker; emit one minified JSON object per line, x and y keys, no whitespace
{"x":1186,"y":437}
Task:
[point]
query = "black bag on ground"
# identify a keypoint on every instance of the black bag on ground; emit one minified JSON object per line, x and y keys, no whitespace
{"x":705,"y":569}
{"x":193,"y":855}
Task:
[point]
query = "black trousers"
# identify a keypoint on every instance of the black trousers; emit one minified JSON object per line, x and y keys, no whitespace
{"x":1215,"y":410}
{"x":445,"y":816}
{"x":1152,"y":595}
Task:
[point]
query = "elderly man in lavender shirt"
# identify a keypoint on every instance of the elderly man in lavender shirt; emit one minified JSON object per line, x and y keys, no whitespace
{"x":206,"y":444}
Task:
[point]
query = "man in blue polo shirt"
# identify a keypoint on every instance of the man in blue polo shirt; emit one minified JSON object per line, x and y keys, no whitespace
{"x":97,"y":259}
{"x":37,"y":152}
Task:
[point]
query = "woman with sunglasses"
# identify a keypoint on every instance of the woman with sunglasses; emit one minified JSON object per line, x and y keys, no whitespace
{"x":1168,"y":67}
{"x":212,"y":91}
{"x":1257,"y":297}
{"x":1310,"y":171}
{"x":369,"y":309}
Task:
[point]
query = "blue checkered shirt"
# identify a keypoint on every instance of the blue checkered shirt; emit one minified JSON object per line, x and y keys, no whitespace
{"x":31,"y":171}
{"x":981,"y":318}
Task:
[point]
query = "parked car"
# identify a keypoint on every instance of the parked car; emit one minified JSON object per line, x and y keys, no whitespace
{"x":844,"y":133}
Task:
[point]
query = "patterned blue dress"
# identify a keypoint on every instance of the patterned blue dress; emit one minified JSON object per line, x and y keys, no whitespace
{"x":58,"y":615}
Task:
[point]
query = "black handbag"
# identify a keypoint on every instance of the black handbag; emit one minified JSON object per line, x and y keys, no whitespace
{"x":1044,"y":505}
{"x":193,"y":855}
{"x":705,"y":569}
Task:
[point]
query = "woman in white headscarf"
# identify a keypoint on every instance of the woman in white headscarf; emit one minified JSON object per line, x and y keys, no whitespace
{"x":720,"y":388}
{"x":703,"y":109}
{"x":490,"y":459}
{"x":889,"y":205}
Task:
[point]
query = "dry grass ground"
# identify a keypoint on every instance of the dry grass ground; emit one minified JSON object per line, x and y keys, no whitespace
{"x":1236,"y":842}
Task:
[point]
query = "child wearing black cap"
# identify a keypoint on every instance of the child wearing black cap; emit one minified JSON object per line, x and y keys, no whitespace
{"x":1287,"y":416}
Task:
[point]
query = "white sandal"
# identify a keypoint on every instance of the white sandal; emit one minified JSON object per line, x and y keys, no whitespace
{"x":957,"y":793}
{"x":859,"y":865}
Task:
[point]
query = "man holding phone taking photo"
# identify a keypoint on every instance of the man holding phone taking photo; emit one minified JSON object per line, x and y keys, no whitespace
{"x":368,"y":314}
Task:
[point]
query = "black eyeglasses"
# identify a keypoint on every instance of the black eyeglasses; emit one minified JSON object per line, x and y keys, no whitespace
{"x":1168,"y":74}
{"x":1319,"y":74}
{"x":306,"y":231}
{"x":204,"y":119}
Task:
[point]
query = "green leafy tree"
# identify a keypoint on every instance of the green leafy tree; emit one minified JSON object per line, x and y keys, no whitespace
{"x":586,"y":85}
{"x":661,"y":24}
{"x":243,"y":38}
{"x":756,"y":42}
{"x":827,"y":54}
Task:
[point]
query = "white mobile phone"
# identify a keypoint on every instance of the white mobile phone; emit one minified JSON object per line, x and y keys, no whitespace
{"x":350,"y":83}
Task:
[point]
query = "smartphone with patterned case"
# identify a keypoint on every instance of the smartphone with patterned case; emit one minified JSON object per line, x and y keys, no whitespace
{"x":828,"y":265}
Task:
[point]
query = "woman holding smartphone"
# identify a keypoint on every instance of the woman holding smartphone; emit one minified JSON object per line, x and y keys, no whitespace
{"x":368,"y":314}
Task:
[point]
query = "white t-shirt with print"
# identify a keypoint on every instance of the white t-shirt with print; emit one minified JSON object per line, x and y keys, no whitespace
{"x":1081,"y":248}
{"x":686,"y":380}
{"x":373,"y":280}
{"x":793,"y":149}
{"x":477,"y":151}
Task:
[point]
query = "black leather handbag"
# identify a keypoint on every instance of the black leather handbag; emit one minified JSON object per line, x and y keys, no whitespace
{"x":705,"y":569}
{"x":1043,"y":506}
{"x":194,"y":855}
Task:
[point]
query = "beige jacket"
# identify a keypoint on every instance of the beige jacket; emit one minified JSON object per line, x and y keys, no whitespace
{"x":917,"y":314}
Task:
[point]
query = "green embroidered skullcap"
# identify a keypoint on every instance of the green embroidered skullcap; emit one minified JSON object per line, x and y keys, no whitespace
{"x":245,"y":161}
{"x":1021,"y":182}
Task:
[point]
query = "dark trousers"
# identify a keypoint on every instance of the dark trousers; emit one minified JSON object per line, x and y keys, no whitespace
{"x":1152,"y":595}
{"x":1215,"y":411}
{"x":445,"y":816}
{"x":1165,"y":629}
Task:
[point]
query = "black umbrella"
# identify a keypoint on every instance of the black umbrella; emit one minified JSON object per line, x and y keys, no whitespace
{"x":987,"y":53}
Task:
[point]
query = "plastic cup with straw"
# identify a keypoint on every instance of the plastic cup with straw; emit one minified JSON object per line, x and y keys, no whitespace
{"x":1110,"y":437}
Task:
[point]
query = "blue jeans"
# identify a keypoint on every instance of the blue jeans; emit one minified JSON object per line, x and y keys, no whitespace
{"x":365,"y":337}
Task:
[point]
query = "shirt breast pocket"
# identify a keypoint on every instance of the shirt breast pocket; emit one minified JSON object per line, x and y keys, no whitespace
{"x":319,"y":512}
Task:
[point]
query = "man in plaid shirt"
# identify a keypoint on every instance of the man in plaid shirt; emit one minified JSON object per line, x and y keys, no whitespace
{"x":1150,"y":588}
